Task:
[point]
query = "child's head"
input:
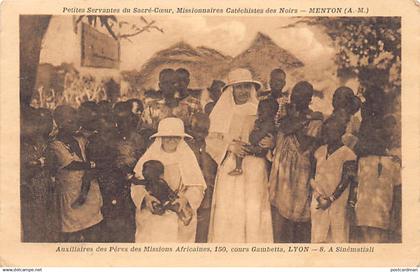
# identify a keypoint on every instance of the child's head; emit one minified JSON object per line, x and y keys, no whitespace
{"x":168,"y":82}
{"x":182,"y":78}
{"x":104,"y":107}
{"x":301,"y":95}
{"x":345,"y":99}
{"x":66,"y":119}
{"x":88,"y":114}
{"x":333,"y":129}
{"x":277,"y":81}
{"x":126,"y":120}
{"x":215,"y":90}
{"x":152,"y":170}
{"x":105,"y":123}
{"x":200,"y":124}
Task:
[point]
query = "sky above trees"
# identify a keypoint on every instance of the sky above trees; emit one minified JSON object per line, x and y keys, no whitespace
{"x":229,"y":35}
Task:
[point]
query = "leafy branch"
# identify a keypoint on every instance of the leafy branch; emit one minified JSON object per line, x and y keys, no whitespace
{"x":362,"y":43}
{"x":109,"y":21}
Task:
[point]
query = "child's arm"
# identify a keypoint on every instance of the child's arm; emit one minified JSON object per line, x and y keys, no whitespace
{"x":256,"y":135}
{"x":86,"y":181}
{"x":348,"y":177}
{"x":136,"y":181}
{"x":313,"y":166}
{"x":141,"y":195}
{"x":312,"y":177}
{"x":89,"y":174}
{"x":51,"y":161}
{"x":353,"y":192}
{"x":84,"y":190}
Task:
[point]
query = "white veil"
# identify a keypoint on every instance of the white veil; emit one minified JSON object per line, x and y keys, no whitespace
{"x":190,"y":170}
{"x":225,"y":108}
{"x":221,"y":118}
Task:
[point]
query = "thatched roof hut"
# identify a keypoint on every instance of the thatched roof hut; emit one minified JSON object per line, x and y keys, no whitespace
{"x":206,"y":64}
{"x":263,"y":56}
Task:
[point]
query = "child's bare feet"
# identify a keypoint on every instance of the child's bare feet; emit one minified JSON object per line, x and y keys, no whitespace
{"x":236,"y":172}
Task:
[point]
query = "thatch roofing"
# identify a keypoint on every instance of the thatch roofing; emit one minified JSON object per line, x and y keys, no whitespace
{"x":206,"y":64}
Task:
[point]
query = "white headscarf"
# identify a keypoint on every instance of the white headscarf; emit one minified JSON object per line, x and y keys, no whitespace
{"x":191,"y":174}
{"x":225,"y":108}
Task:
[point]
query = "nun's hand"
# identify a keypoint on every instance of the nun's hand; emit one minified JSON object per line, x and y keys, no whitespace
{"x":267,"y":142}
{"x":238,"y":148}
{"x":181,"y":202}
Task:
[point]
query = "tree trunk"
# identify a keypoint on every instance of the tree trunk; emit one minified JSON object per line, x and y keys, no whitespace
{"x":32,"y":29}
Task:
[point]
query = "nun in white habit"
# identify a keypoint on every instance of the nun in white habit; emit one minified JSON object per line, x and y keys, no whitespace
{"x":240,"y":209}
{"x":183,"y":175}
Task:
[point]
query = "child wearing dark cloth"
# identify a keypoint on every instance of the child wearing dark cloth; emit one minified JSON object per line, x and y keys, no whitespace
{"x":214,"y":91}
{"x":104,"y":107}
{"x":199,"y":129}
{"x":88,"y":120}
{"x":372,"y":134}
{"x":297,"y":137}
{"x":38,"y":210}
{"x":132,"y":143}
{"x":115,"y":148}
{"x":88,"y":115}
{"x":157,"y":187}
{"x":137,"y":108}
{"x":99,"y":151}
{"x":264,"y":126}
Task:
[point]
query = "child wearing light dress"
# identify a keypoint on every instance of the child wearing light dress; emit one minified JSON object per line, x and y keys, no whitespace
{"x":335,"y":174}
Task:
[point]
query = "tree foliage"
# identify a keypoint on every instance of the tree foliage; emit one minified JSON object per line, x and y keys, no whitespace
{"x":366,"y":46}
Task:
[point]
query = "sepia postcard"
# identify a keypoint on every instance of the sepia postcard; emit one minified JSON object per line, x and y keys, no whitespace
{"x":210,"y":133}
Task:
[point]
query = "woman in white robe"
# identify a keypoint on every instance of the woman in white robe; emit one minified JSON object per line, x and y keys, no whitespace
{"x":183,"y":175}
{"x":240,"y":209}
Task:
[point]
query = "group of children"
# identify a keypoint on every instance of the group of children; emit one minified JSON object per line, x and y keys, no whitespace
{"x":77,"y":171}
{"x":327,"y":183}
{"x":354,"y":176}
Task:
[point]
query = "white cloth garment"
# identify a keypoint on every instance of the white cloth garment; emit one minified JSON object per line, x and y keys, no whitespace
{"x":182,"y":173}
{"x":377,"y":176}
{"x":240,"y":209}
{"x":221,"y":122}
{"x":330,"y":225}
